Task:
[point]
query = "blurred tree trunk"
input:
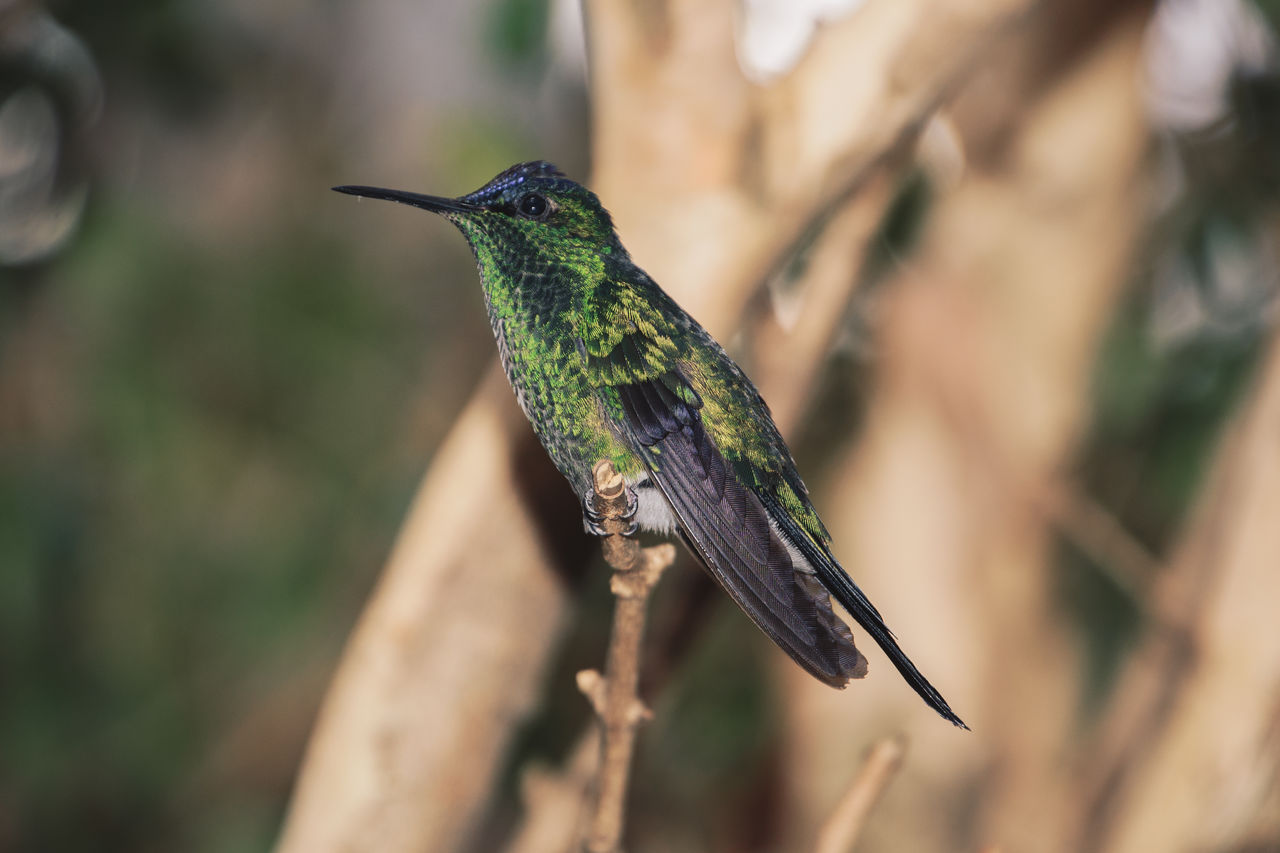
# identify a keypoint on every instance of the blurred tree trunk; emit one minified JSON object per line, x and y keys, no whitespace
{"x":445,"y":659}
{"x":1187,"y":759}
{"x":941,"y":510}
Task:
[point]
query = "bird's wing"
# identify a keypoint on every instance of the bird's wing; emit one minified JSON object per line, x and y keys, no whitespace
{"x":709,"y":443}
{"x":725,"y":524}
{"x":634,"y":362}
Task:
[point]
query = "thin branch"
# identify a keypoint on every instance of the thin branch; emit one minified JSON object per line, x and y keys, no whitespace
{"x":845,"y":825}
{"x":553,"y":802}
{"x":1092,"y":528}
{"x":792,"y":354}
{"x":635,"y":572}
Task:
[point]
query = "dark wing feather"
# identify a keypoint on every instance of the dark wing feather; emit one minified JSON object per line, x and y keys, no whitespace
{"x":771,"y":559}
{"x":835,"y":579}
{"x":725,"y":524}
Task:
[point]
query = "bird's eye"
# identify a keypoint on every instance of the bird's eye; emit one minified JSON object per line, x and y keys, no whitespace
{"x":533,"y":206}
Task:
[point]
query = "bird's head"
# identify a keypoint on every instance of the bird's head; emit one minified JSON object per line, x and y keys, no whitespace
{"x":531,"y":211}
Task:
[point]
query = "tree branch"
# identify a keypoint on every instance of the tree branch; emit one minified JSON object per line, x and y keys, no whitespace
{"x":845,"y":824}
{"x":636,"y":571}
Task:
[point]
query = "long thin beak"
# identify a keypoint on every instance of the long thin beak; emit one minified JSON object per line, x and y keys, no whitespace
{"x":436,"y":204}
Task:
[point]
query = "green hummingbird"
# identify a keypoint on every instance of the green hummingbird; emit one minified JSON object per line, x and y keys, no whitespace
{"x":607,"y":366}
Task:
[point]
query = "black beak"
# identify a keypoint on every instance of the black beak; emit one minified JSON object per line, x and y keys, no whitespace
{"x":433,"y":203}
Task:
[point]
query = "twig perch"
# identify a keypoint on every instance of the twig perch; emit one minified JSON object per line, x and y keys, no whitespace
{"x":635,"y":572}
{"x":845,"y":824}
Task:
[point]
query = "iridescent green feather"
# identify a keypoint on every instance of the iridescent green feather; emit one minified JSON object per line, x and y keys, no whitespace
{"x":634,"y":332}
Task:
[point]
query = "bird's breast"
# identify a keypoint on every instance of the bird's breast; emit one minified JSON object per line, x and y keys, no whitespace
{"x":553,"y":390}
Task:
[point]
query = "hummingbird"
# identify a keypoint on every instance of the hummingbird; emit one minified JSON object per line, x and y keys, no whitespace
{"x":606,"y":365}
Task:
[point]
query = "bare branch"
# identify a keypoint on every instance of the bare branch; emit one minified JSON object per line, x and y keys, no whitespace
{"x":554,"y":802}
{"x":845,"y":824}
{"x":613,"y":696}
{"x":789,"y":358}
{"x":866,"y":84}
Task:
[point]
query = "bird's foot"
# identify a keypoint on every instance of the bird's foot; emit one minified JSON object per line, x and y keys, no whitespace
{"x":593,"y":522}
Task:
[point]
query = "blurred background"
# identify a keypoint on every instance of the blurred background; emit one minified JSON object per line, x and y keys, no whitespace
{"x":1006,"y":271}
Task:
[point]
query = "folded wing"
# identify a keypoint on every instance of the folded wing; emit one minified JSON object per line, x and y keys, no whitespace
{"x":728,"y":528}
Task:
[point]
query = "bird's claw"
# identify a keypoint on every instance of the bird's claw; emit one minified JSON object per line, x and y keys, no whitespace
{"x":593,"y":521}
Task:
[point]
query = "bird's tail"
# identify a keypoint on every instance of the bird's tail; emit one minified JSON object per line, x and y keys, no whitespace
{"x":840,"y":585}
